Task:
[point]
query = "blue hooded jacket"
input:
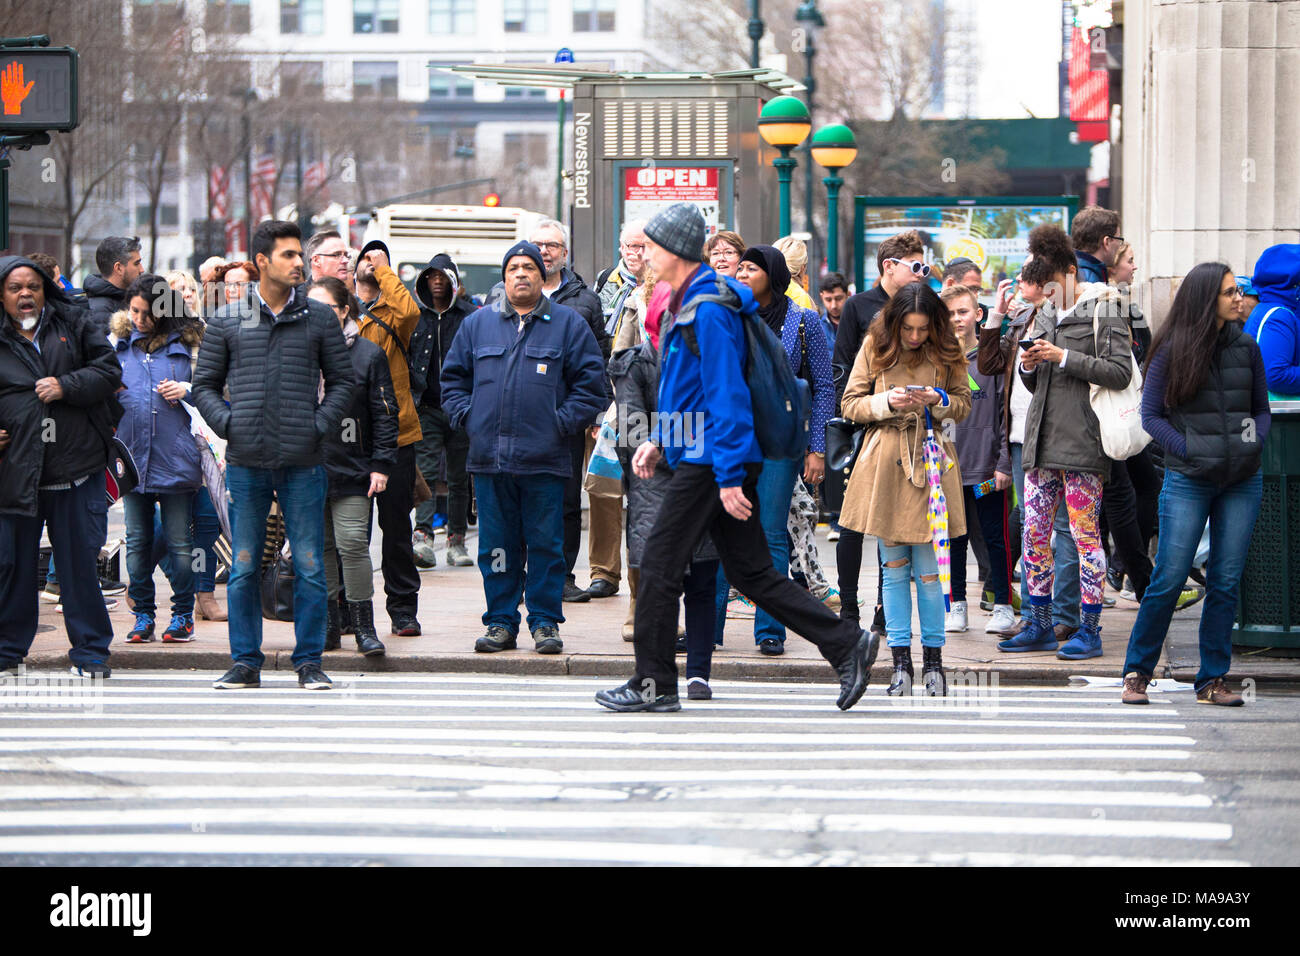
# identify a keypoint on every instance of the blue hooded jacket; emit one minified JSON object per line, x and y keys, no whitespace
{"x":709,"y":388}
{"x":1277,"y":281}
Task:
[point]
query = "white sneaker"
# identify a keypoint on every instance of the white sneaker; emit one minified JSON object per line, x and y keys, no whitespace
{"x":1003,"y":620}
{"x":832,"y":535}
{"x":955,"y":620}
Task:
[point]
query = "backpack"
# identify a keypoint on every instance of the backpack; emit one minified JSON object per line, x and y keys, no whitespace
{"x":781,"y":402}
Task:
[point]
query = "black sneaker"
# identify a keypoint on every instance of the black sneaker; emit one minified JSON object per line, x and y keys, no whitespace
{"x":238,"y":677}
{"x":405,"y":625}
{"x":312,"y":677}
{"x":91,"y":670}
{"x":547,"y":640}
{"x":497,"y":638}
{"x":627,"y":698}
{"x":771,"y":647}
{"x":855,"y":670}
{"x":574,"y":594}
{"x":697,"y":688}
{"x":11,"y":669}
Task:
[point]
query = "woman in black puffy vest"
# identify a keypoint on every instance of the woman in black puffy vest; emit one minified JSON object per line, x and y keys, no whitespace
{"x":1205,"y":402}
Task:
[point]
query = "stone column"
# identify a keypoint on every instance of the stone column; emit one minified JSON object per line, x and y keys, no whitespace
{"x":1210,"y":135}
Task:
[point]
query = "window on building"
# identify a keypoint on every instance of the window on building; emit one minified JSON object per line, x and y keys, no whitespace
{"x":452,"y":143}
{"x":302,"y":80}
{"x":593,"y":16}
{"x":302,"y":16}
{"x":529,"y":150}
{"x":448,"y":86}
{"x":168,"y":215}
{"x":229,"y":16}
{"x":525,"y":16}
{"x":374,"y":16}
{"x":374,"y":80}
{"x":451,"y":16}
{"x":525,"y":93}
{"x":147,"y":15}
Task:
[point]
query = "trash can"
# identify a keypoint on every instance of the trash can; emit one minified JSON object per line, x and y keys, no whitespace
{"x":1268,"y":613}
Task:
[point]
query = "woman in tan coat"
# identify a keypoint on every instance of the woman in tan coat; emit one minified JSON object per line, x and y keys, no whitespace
{"x":909,"y":362}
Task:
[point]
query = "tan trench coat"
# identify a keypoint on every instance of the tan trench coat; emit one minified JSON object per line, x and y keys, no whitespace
{"x":887,"y":495}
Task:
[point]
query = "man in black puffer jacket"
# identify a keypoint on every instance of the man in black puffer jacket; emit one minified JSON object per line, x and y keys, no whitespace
{"x":270,"y":351}
{"x":57,"y":376}
{"x":118,"y":260}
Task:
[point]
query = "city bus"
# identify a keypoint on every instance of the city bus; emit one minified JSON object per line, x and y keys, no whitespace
{"x":476,"y":237}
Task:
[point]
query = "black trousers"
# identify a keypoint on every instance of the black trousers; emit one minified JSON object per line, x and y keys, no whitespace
{"x":691,"y":508}
{"x":1129,"y":501}
{"x":848,"y":562}
{"x":401,"y":578}
{"x":573,"y":501}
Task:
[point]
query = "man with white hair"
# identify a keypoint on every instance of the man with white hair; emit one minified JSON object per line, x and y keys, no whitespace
{"x":614,"y":286}
{"x":565,"y":287}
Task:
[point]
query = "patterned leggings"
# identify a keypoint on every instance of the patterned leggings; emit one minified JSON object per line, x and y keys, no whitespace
{"x":1044,"y":489}
{"x":803,"y":553}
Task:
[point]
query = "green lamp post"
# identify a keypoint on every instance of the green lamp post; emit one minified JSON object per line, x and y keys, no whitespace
{"x":833,"y":147}
{"x":784,"y":123}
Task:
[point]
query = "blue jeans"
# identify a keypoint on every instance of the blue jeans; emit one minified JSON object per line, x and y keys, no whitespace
{"x":921,"y":562}
{"x":141,"y":538}
{"x":521,"y":519}
{"x":301,"y":494}
{"x":1185,"y":505}
{"x":1065,"y":556}
{"x":206,"y":531}
{"x":775,"y":488}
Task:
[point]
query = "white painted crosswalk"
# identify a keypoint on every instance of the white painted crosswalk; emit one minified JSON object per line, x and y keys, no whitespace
{"x":158,"y":768}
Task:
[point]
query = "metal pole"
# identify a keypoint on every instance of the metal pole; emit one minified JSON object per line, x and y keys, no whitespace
{"x":833,"y":183}
{"x":809,"y":82}
{"x":755,"y":33}
{"x":248,"y":181}
{"x":559,"y":161}
{"x":784,"y":170}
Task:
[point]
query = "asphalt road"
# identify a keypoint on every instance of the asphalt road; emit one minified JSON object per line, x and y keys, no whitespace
{"x":159,"y":769}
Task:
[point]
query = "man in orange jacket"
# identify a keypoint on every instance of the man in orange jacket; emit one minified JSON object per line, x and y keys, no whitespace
{"x":388,"y":317}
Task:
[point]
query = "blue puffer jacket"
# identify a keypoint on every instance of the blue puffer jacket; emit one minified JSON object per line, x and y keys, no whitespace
{"x":155,"y":430}
{"x":726,"y":441}
{"x":1275,"y":322}
{"x":520,"y":395}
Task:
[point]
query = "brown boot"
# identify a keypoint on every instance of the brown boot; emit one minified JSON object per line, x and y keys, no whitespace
{"x":1135,"y":689}
{"x":1216,"y":692}
{"x":207,"y":607}
{"x":1063,"y":632}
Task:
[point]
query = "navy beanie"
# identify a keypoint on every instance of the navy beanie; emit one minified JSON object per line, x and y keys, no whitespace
{"x":523,"y":248}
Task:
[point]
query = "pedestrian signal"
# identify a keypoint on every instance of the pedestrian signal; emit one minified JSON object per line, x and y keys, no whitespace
{"x":38,"y":90}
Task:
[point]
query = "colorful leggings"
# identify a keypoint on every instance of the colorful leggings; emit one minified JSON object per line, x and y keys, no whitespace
{"x":1044,"y":489}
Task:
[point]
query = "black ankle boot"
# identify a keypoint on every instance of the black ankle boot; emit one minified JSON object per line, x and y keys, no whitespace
{"x":932,"y":675}
{"x":332,"y":640}
{"x":368,"y":643}
{"x":901,"y":685}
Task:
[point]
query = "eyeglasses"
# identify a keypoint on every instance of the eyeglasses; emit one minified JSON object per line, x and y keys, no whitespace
{"x":1234,"y":292}
{"x":333,"y":255}
{"x":724,"y":252}
{"x":918,"y":268}
{"x":554,"y":246}
{"x":634,"y":246}
{"x":1116,"y":238}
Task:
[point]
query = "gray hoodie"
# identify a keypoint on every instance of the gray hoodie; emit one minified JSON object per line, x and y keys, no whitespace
{"x":981,"y":435}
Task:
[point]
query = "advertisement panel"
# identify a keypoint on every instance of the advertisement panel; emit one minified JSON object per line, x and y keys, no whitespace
{"x":993,"y":231}
{"x":646,"y":189}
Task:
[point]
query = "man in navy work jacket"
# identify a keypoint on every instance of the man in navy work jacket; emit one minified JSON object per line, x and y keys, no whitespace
{"x":714,"y":487}
{"x":523,"y":376}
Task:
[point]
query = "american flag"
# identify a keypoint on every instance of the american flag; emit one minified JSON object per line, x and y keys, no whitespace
{"x":262,"y":186}
{"x":219,"y":191}
{"x":313,"y":180}
{"x":234,"y":235}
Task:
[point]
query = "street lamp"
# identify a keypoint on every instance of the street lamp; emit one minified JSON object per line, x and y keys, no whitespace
{"x":784,"y":123}
{"x":833,"y":147}
{"x":810,"y":22}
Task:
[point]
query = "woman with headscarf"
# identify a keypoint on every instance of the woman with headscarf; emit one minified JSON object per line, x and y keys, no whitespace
{"x":764,"y":270}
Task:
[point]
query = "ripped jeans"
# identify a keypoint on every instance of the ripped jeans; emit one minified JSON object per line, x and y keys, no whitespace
{"x":301,"y":494}
{"x":918,"y":563}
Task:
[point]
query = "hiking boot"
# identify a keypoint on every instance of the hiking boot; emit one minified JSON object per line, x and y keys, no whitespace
{"x":1030,"y":638}
{"x":142,"y":632}
{"x":1135,"y":689}
{"x":457,"y":555}
{"x":1003,"y":620}
{"x":954,"y":622}
{"x":546,"y":640}
{"x":368,"y":643}
{"x":901,"y":684}
{"x":574,"y":594}
{"x":1083,"y":645}
{"x":346,"y":624}
{"x":333,"y":636}
{"x":422,"y":548}
{"x":497,"y":638}
{"x":933,"y":678}
{"x":180,"y":630}
{"x":1216,"y":692}
{"x":629,"y":699}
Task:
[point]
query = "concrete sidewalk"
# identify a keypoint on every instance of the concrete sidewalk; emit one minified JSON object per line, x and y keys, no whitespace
{"x":451,"y":607}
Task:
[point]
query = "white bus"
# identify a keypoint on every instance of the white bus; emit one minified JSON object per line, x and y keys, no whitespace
{"x":476,"y":237}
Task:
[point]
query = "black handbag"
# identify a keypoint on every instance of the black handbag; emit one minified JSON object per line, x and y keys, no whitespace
{"x":277,"y":589}
{"x":843,"y":444}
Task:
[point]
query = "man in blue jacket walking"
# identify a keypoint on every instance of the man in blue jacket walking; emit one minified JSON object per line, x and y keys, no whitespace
{"x":1275,"y":322}
{"x":523,"y":376}
{"x":710,"y":444}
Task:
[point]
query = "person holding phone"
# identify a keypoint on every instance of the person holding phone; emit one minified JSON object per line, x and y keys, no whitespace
{"x":909,"y":364}
{"x":1063,"y":458}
